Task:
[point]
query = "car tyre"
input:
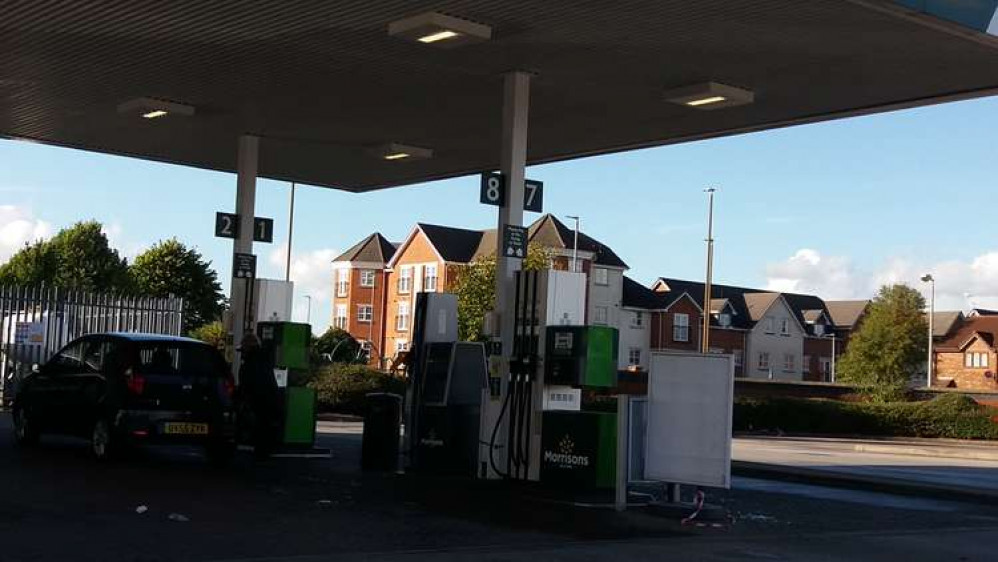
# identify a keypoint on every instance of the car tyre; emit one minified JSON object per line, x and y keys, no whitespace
{"x":25,"y":432}
{"x":102,"y":442}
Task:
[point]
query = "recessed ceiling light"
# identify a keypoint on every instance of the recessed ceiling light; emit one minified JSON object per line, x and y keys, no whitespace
{"x":434,"y":28}
{"x":709,"y":95}
{"x":439,"y":36}
{"x":151,"y":108}
{"x":395,"y":151}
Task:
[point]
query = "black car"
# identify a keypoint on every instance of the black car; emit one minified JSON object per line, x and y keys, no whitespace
{"x":124,"y":389}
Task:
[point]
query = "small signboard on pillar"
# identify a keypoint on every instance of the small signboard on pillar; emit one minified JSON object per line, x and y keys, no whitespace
{"x":514,"y":241}
{"x":244,"y":266}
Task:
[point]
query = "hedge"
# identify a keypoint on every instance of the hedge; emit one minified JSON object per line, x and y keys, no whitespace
{"x":342,"y":387}
{"x":953,"y":416}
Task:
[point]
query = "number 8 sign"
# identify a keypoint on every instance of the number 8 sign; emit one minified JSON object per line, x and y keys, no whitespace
{"x":493,"y":192}
{"x":493,"y":189}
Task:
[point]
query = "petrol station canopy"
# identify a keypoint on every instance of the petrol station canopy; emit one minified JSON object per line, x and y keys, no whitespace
{"x":328,"y":88}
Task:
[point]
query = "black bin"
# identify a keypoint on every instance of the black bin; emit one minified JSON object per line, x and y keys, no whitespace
{"x":382,"y":429}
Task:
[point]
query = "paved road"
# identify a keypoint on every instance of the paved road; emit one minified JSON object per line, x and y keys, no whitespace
{"x":57,"y":504}
{"x":939,"y":465}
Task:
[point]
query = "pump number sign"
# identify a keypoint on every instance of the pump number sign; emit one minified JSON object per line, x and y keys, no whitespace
{"x":493,"y":192}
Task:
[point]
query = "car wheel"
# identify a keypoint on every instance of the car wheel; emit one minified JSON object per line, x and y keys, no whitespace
{"x":25,"y":433}
{"x":102,"y":440}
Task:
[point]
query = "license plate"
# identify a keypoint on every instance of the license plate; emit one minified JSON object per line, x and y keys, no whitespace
{"x":174,"y":428}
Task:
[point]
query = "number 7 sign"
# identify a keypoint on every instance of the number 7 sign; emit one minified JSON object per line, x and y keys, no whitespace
{"x":493,"y":192}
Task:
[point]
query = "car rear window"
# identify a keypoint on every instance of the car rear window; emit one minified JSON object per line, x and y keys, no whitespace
{"x":180,"y":359}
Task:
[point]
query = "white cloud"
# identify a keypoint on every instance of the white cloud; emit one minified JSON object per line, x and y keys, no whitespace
{"x":312,"y":275}
{"x":960,"y":285}
{"x":116,"y":239}
{"x":807,"y":271}
{"x":19,"y":226}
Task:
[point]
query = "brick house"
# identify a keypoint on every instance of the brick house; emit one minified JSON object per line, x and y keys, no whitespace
{"x":967,"y":357}
{"x":431,"y":258}
{"x":428,"y":260}
{"x":846,"y":317}
{"x":813,"y":316}
{"x":359,"y":291}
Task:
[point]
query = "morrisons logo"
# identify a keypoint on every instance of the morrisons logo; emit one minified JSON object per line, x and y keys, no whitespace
{"x":565,"y":455}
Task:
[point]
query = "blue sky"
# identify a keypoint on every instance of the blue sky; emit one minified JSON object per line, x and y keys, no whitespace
{"x":833,"y":208}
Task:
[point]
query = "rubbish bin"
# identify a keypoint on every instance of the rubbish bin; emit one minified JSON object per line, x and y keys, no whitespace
{"x":382,"y":429}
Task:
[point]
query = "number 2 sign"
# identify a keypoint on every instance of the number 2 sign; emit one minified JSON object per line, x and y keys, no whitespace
{"x":227,"y":226}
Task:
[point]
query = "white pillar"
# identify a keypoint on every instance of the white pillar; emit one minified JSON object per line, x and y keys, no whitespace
{"x":513,"y":161}
{"x":246,"y":171}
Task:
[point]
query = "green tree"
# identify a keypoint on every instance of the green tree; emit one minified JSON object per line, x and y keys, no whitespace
{"x":476,"y":289}
{"x":78,"y":257}
{"x":890,"y":345}
{"x":34,"y":264}
{"x":170,"y":268}
{"x":338,"y":344}
{"x":213,"y":333}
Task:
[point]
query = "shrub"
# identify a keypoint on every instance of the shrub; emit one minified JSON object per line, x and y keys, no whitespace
{"x":949,"y":416}
{"x":342,"y":387}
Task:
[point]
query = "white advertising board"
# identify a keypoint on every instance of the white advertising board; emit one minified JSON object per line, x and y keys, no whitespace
{"x":688,"y":439}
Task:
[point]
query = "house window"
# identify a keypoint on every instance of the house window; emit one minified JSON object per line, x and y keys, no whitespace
{"x":724,"y":319}
{"x":601,"y":276}
{"x":639,"y":320}
{"x":402,"y":320}
{"x":819,"y":329}
{"x":405,"y":280}
{"x":430,"y":278}
{"x":680,"y":327}
{"x":763,"y":359}
{"x":785,"y":326}
{"x":739,"y":357}
{"x":770,"y":325}
{"x":634,"y":356}
{"x":806,"y":364}
{"x":826,"y":366}
{"x":401,"y":345}
{"x":365,"y":349}
{"x":600,"y":315}
{"x":340,"y":318}
{"x":788,"y":362}
{"x":367,"y":278}
{"x":342,"y":282}
{"x":976,"y":360}
{"x":364,"y":313}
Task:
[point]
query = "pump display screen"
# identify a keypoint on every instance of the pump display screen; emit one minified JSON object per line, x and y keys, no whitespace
{"x":563,"y":342}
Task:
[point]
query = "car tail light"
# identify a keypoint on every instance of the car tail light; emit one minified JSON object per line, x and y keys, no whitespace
{"x":135,"y":382}
{"x":228,"y":387}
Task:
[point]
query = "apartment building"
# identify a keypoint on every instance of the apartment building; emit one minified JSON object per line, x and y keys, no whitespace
{"x":360,"y":289}
{"x":430,"y":259}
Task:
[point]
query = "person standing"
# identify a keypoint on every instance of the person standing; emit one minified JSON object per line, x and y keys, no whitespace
{"x":259,"y":392}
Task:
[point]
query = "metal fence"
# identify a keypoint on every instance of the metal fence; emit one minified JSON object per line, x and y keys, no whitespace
{"x":36,"y":322}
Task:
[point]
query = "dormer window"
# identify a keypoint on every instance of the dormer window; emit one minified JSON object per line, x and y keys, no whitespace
{"x":724,"y":319}
{"x":819,"y":329}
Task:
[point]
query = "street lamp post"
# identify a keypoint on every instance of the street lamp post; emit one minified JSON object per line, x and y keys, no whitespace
{"x":705,"y":336}
{"x":832,"y":366}
{"x":575,"y":244}
{"x":927,"y":278}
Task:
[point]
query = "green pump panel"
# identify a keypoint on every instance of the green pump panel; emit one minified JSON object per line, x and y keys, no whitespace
{"x":287,"y":341}
{"x":581,"y":356}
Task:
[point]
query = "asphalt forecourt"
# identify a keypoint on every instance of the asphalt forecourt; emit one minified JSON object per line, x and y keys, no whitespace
{"x":168,"y":504}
